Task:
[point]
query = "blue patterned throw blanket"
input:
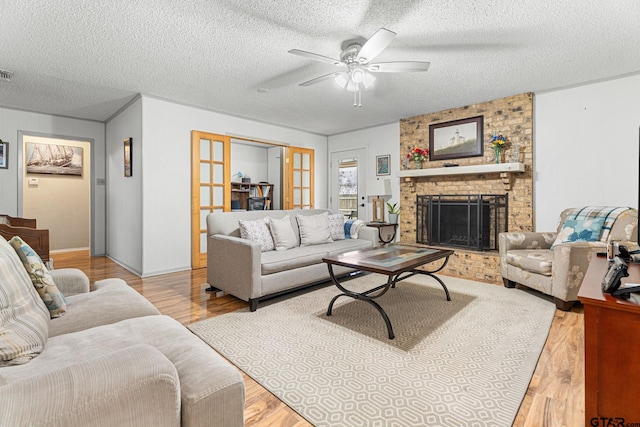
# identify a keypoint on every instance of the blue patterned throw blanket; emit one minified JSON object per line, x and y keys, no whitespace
{"x":609,"y":213}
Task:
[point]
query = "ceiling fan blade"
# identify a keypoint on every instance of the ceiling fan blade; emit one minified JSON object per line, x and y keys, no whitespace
{"x":375,"y":45}
{"x":316,"y":57}
{"x":398,"y":67}
{"x":318,"y":79}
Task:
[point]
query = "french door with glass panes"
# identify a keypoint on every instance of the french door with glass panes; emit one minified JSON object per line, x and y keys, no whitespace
{"x":300,"y":170}
{"x":210,"y":187}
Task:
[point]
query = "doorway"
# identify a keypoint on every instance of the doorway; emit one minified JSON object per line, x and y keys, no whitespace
{"x":55,"y":188}
{"x":348,"y":189}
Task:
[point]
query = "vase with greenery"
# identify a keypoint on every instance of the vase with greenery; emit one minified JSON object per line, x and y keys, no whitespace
{"x":394,"y":211}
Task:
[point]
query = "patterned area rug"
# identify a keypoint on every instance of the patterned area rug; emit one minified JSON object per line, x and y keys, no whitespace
{"x":465,"y":362}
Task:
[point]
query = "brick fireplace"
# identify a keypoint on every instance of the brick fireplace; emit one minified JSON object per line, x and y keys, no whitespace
{"x":513,"y":117}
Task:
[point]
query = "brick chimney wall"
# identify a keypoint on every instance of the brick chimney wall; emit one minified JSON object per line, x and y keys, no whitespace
{"x":513,"y":117}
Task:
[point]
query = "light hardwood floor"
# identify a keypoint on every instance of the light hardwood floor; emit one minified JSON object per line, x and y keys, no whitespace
{"x":555,"y":396}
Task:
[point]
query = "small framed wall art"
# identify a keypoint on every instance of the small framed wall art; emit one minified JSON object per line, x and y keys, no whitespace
{"x":128,"y":171}
{"x":4,"y":155}
{"x":382,"y":165}
{"x":456,"y":139}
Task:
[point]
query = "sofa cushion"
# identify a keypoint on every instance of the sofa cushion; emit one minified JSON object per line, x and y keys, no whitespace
{"x":112,"y":301}
{"x":314,"y":229}
{"x":24,"y":319}
{"x":534,"y":260}
{"x":42,"y":280}
{"x":347,"y":245}
{"x":282,"y":232}
{"x":336,"y":226}
{"x":302,"y":256}
{"x":257,"y":231}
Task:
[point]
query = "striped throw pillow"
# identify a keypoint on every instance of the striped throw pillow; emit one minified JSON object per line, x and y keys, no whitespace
{"x":24,"y":319}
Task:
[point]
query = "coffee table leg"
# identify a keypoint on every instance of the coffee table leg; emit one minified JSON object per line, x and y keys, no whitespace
{"x":362,"y":297}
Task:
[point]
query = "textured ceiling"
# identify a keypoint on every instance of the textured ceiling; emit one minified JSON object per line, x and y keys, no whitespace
{"x":88,"y":58}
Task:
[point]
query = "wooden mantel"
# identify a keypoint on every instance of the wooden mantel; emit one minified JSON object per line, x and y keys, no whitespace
{"x":504,"y":169}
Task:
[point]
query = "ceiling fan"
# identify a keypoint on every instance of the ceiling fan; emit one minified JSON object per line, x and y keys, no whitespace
{"x":356,"y":66}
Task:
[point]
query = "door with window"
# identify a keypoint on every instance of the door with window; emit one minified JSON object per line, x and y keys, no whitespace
{"x":299,"y":178}
{"x":347,"y":193}
{"x":210,"y":187}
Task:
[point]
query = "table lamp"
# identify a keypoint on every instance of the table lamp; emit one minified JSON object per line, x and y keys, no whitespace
{"x":379,"y":189}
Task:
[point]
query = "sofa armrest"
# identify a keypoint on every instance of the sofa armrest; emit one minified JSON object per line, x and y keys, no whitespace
{"x":70,"y":281}
{"x":570,"y":263}
{"x":526,"y":240}
{"x":369,"y":233}
{"x":138,"y":383}
{"x":234,"y":266}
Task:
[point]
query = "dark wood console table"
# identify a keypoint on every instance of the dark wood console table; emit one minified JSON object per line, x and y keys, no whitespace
{"x":612,"y":347}
{"x":380,"y":226}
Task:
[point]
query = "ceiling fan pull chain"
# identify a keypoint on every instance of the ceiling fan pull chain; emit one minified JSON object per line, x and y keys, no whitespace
{"x":359,"y":97}
{"x":354,"y":98}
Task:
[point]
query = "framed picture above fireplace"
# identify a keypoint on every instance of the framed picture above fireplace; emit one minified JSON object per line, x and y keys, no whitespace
{"x":456,"y":139}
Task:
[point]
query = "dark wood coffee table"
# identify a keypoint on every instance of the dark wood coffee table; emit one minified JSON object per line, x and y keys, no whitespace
{"x":397,"y":261}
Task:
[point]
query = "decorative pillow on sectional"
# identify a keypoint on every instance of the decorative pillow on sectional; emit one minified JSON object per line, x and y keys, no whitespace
{"x":351,"y":227}
{"x":580,"y":230}
{"x":24,"y":320}
{"x":42,"y":280}
{"x":257,"y":231}
{"x":336,"y":226}
{"x":283,"y":235}
{"x":314,"y":229}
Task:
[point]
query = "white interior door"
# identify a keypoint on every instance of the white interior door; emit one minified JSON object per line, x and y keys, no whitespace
{"x":347,"y":183}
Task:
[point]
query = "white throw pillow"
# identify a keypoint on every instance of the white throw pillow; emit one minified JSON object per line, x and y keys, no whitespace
{"x":314,"y":229}
{"x":283,"y":235}
{"x":336,"y":226}
{"x":257,"y":231}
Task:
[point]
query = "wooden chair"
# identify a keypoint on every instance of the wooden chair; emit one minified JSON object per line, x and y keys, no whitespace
{"x":18,"y":222}
{"x":37,"y":239}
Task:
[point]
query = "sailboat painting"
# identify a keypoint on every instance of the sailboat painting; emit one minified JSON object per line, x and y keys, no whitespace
{"x":53,"y":159}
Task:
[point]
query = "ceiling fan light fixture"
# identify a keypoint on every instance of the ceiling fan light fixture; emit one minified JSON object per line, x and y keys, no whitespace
{"x":368,"y":80}
{"x":352,"y":86}
{"x":342,"y":79}
{"x":358,"y":75}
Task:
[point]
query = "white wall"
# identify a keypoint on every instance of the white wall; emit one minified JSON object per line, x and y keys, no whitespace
{"x":251,"y":161}
{"x":14,"y":121}
{"x":586,"y":148}
{"x":166,"y":166}
{"x":378,"y":140}
{"x":124,"y":197}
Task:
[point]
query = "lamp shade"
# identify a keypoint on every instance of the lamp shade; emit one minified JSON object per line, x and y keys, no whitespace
{"x":380,"y":187}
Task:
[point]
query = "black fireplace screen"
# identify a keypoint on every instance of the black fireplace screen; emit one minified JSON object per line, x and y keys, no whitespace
{"x":462,"y":221}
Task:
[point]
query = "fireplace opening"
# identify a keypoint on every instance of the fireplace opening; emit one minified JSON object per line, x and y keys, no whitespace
{"x":461,"y":221}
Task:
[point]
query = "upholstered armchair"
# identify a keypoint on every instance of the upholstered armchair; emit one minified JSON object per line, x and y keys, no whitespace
{"x":555,"y":262}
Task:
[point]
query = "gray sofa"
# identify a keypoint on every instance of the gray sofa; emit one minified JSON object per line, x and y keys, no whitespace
{"x":238,"y":267}
{"x":111,"y":360}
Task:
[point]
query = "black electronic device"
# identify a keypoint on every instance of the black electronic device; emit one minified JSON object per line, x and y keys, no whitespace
{"x":612,"y":281}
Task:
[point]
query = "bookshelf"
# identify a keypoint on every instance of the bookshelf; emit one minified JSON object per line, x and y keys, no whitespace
{"x":241,"y":191}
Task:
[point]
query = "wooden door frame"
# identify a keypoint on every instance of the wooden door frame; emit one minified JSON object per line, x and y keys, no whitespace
{"x":198,"y":257}
{"x":287,"y":184}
